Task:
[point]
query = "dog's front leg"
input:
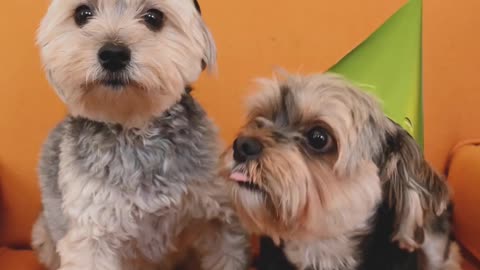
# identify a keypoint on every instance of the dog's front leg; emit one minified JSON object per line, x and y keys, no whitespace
{"x":81,"y":250}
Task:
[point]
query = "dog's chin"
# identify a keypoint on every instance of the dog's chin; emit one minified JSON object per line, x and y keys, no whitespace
{"x":109,"y":85}
{"x":114,"y":84}
{"x":125,"y":102}
{"x":252,"y":200}
{"x":256,"y":212}
{"x":252,"y":208}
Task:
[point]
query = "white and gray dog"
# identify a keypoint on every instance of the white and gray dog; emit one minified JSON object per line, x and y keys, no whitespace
{"x":334,"y":184}
{"x":129,"y":178}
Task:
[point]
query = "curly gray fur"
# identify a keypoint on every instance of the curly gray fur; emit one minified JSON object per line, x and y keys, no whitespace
{"x":166,"y":174}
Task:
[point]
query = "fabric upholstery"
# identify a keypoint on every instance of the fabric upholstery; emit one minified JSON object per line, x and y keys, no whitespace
{"x":464,"y":177}
{"x":18,"y":260}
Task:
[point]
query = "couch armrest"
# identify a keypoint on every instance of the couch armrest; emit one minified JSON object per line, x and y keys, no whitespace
{"x":464,"y":177}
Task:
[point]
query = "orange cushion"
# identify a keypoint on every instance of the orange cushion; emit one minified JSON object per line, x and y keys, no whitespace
{"x":470,"y":262}
{"x":464,"y":177}
{"x":467,"y":265}
{"x":18,"y":260}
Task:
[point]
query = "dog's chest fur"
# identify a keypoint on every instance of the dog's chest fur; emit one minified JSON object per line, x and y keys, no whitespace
{"x":142,"y":186}
{"x":366,"y":250}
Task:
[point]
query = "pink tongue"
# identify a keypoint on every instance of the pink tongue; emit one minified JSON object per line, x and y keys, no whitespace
{"x":239,"y":177}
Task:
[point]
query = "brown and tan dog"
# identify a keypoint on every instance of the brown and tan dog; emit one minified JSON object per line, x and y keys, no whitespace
{"x":320,"y":170}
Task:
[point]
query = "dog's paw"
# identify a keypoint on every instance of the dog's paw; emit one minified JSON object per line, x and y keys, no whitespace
{"x":410,"y":242}
{"x":406,"y":244}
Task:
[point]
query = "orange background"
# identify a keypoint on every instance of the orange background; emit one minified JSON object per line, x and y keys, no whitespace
{"x":253,"y":37}
{"x":28,"y":109}
{"x":451,"y":64}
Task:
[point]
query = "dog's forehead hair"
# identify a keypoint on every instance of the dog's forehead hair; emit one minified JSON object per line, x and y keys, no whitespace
{"x":119,"y":3}
{"x":301,"y":100}
{"x":123,"y":4}
{"x":285,"y":113}
{"x":275,"y":105}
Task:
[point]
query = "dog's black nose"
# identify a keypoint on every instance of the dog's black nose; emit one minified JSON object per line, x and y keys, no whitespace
{"x":246,"y":148}
{"x":114,"y":57}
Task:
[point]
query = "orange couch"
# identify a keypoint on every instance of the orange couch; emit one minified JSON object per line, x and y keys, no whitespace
{"x":464,"y":177}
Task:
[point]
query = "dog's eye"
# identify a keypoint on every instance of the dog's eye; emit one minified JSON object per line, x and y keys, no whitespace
{"x":154,"y":19}
{"x":319,"y":139}
{"x":82,"y":15}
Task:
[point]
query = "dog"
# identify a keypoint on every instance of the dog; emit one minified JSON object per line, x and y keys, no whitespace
{"x":331,"y":183}
{"x":129,"y":178}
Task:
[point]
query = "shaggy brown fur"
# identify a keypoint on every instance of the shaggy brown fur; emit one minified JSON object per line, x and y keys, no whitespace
{"x":314,"y":162}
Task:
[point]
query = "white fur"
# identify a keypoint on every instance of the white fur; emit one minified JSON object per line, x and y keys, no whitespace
{"x":408,"y":223}
{"x":434,"y":251}
{"x":125,"y":224}
{"x":163,"y":62}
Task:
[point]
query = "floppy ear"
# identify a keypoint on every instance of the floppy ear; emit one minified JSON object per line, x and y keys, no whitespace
{"x":197,"y":6}
{"x":412,"y":188}
{"x":210,"y":51}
